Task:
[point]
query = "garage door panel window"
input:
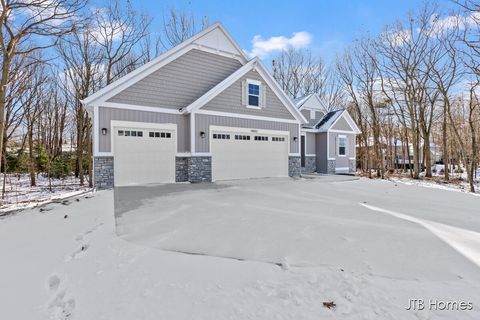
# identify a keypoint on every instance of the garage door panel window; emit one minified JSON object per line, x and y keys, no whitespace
{"x":278,"y":139}
{"x":261,"y":138}
{"x":242,"y":137}
{"x":221,"y":136}
{"x":166,"y":135}
{"x":130,"y":133}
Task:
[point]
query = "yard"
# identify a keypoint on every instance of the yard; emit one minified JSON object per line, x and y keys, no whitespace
{"x":258,"y":249}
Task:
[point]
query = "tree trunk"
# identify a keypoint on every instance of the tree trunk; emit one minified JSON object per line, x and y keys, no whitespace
{"x":445,"y":146}
{"x":31,"y":157}
{"x":427,"y":155}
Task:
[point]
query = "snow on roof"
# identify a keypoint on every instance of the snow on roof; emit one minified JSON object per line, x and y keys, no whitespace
{"x":301,"y":100}
{"x":327,"y":121}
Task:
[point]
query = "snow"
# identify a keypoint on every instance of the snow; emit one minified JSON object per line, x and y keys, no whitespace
{"x":288,"y":246}
{"x":20,"y":195}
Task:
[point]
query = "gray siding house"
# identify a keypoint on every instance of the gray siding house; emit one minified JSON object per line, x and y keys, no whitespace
{"x":201,"y":111}
{"x":328,"y":141}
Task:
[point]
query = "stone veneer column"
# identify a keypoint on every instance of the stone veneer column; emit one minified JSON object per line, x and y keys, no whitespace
{"x":200,"y":169}
{"x":310,"y":164}
{"x":331,"y":167}
{"x":294,"y":166}
{"x":103,"y":172}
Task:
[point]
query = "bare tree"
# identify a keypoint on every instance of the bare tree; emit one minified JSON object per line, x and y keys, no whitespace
{"x":118,"y":30}
{"x":28,"y":26}
{"x":178,"y":26}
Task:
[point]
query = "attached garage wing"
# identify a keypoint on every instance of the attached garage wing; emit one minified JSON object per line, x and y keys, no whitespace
{"x":144,"y":153}
{"x":241,"y":153}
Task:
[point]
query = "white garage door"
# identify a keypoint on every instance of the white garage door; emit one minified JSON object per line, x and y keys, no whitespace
{"x":246,"y":154}
{"x":144,"y":155}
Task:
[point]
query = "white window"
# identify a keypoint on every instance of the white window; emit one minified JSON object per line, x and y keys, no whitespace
{"x":342,"y":145}
{"x":312,"y":114}
{"x":253,"y":93}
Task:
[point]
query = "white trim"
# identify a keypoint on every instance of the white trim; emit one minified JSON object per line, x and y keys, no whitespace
{"x":338,"y":137}
{"x":349,"y":120}
{"x":341,"y":168}
{"x":255,"y":82}
{"x":243,"y":116}
{"x":310,"y":155}
{"x":183,"y":154}
{"x":256,"y":64}
{"x":294,"y":155}
{"x":219,"y":52}
{"x":252,"y":130}
{"x":341,"y":131}
{"x":96,"y":149}
{"x":352,"y":158}
{"x":115,"y":105}
{"x":192,"y":133}
{"x":172,"y":54}
{"x":253,"y":107}
{"x":103,"y":154}
{"x":311,"y":130}
{"x":201,"y":154}
{"x":140,"y":125}
{"x":331,"y":158}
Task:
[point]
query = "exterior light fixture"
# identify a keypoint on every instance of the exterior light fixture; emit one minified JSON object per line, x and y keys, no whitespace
{"x":295,"y":138}
{"x":202,"y":134}
{"x":104,"y":131}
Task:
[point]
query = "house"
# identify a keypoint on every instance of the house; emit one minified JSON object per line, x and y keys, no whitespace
{"x":328,"y":141}
{"x":201,"y":111}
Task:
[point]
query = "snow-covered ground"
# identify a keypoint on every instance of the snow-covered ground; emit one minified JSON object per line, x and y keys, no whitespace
{"x":265,"y":249}
{"x":19,"y":194}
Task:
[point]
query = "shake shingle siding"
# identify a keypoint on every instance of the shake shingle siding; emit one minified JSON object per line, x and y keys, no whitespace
{"x":180,"y":82}
{"x":230,"y":100}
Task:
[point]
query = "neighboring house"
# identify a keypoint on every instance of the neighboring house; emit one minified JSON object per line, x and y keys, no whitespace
{"x":328,"y":140}
{"x":201,"y":111}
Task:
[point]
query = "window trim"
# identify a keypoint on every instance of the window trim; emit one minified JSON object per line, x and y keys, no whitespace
{"x":259,"y":84}
{"x":345,"y":146}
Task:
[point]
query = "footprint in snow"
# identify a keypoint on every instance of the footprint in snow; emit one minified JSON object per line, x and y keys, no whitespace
{"x":61,"y":306}
{"x":78,"y":252}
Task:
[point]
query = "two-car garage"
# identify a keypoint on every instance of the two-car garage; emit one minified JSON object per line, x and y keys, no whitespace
{"x":146,"y":153}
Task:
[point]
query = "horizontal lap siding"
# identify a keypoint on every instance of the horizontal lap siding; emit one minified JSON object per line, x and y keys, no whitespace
{"x":203,"y":122}
{"x":230,"y":100}
{"x":311,"y":122}
{"x":340,"y":160}
{"x":108,"y":114}
{"x":181,"y":82}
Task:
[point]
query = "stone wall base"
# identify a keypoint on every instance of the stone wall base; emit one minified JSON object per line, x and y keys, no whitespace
{"x":310,"y":164}
{"x":331,"y":166}
{"x":294,"y":166}
{"x":103,"y":172}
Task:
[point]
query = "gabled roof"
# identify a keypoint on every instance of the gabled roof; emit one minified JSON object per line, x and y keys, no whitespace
{"x":301,"y":102}
{"x":329,"y":120}
{"x":257,"y":65}
{"x":207,"y":39}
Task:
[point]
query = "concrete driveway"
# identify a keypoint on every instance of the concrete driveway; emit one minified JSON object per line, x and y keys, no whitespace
{"x":335,"y":221}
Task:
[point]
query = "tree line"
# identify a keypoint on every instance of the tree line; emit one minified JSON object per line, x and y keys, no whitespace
{"x":54,"y":54}
{"x":415,"y":85}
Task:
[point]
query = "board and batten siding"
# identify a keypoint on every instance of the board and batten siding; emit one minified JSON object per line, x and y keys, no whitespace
{"x":105,"y":115}
{"x":321,"y":151}
{"x":203,"y":123}
{"x":341,"y":161}
{"x":230,"y":100}
{"x":180,"y":82}
{"x":310,"y":145}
